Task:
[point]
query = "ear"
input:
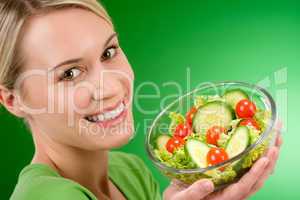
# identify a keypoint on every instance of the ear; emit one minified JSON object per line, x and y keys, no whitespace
{"x":10,"y":101}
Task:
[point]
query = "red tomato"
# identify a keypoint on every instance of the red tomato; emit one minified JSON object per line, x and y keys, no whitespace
{"x":174,"y":143}
{"x":213,"y":134}
{"x":250,"y":122}
{"x":245,"y":109}
{"x":190,"y":115}
{"x":182,"y":131}
{"x":216,"y":156}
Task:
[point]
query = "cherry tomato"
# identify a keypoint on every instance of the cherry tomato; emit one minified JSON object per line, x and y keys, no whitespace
{"x":250,"y":122}
{"x":182,"y":130}
{"x":245,"y":109}
{"x":213,"y":134}
{"x":216,"y":156}
{"x":190,"y":115}
{"x":174,"y":143}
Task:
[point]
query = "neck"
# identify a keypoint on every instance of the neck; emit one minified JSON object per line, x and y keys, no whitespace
{"x":88,"y":168}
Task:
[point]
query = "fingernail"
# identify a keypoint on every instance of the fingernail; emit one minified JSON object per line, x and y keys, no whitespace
{"x":208,"y":185}
{"x":274,"y":153}
{"x":266,"y":162}
{"x":279,"y":125}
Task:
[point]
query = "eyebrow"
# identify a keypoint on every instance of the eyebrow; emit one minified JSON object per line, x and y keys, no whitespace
{"x":76,"y":60}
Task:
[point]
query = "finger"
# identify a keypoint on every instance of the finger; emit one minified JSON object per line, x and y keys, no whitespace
{"x":268,"y":172}
{"x":255,"y":173}
{"x":278,"y":149}
{"x":198,"y":190}
{"x":273,"y":156}
{"x":278,"y":125}
{"x":278,"y":144}
{"x":174,"y":188}
{"x":242,"y":188}
{"x":279,"y":141}
{"x":179,"y":184}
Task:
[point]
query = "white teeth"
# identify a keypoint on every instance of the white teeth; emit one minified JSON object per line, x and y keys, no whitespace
{"x":108,"y":115}
{"x":101,"y":117}
{"x":95,"y":118}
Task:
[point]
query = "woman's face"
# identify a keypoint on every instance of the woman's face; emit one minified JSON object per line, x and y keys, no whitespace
{"x":77,"y":82}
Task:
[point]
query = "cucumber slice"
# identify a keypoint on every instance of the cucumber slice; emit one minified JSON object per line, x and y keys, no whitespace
{"x":197,"y":151}
{"x":238,"y":142}
{"x":233,"y":96}
{"x":216,"y":113}
{"x":161,"y":141}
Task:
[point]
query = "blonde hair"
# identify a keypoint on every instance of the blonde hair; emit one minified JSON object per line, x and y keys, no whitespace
{"x":13,"y":15}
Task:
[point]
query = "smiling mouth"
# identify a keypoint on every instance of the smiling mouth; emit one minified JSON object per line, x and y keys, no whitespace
{"x":108,"y":115}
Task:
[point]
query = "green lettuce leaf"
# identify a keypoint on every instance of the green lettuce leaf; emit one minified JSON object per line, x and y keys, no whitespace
{"x":176,"y":118}
{"x":178,"y":159}
{"x":222,"y":141}
{"x":263,"y":118}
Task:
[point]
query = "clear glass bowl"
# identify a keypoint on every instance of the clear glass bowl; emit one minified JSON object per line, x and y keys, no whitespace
{"x":239,"y":164}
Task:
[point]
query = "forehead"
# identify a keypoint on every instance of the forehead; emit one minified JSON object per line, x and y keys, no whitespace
{"x":63,"y":34}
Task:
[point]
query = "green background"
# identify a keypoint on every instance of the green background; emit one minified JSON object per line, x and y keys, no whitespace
{"x":215,"y":40}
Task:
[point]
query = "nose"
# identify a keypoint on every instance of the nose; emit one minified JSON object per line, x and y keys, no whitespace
{"x":108,"y":86}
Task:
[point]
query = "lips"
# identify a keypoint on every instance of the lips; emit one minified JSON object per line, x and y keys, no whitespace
{"x":110,"y":114}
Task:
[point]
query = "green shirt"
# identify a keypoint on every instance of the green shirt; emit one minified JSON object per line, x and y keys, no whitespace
{"x":126,"y":171}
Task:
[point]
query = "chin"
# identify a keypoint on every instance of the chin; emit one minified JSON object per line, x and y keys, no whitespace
{"x":119,"y":141}
{"x":109,"y":141}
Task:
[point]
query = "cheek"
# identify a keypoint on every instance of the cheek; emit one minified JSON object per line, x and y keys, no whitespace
{"x":127,"y":69}
{"x":130,"y":73}
{"x":82,"y":98}
{"x":127,"y":75}
{"x":33,"y":86}
{"x":129,"y":80}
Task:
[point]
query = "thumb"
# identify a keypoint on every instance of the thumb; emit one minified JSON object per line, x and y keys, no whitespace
{"x":197,"y":190}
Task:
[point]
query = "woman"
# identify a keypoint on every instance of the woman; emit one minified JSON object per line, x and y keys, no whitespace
{"x":63,"y":72}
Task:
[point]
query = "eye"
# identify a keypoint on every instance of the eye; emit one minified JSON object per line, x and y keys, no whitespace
{"x":109,"y":53}
{"x":71,"y":74}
